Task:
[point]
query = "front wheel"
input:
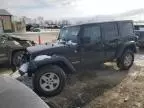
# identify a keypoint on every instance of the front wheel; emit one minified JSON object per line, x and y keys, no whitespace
{"x":49,"y":81}
{"x":126,"y":60}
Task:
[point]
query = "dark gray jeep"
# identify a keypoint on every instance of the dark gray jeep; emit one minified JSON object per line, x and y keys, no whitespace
{"x":76,"y":46}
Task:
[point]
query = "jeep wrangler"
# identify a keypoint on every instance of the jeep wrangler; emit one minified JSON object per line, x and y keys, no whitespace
{"x":82,"y":44}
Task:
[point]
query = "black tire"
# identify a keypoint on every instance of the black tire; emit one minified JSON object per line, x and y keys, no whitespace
{"x":46,"y":70}
{"x":121,"y":60}
{"x":17,"y":58}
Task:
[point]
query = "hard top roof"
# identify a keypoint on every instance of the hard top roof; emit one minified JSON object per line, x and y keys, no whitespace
{"x":100,"y":23}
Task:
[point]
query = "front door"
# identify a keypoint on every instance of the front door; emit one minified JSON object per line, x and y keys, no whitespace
{"x":92,"y":45}
{"x":70,"y":37}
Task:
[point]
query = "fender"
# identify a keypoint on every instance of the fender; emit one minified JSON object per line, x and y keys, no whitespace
{"x":51,"y":60}
{"x":122,"y":47}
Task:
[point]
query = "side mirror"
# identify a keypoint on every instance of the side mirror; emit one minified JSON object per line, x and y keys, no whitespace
{"x":69,"y":43}
{"x":86,"y":40}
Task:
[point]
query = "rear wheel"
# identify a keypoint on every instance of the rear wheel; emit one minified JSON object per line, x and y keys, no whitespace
{"x":126,"y":60}
{"x":49,"y":81}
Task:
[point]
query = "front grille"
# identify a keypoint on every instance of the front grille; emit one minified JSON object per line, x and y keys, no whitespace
{"x":26,"y":57}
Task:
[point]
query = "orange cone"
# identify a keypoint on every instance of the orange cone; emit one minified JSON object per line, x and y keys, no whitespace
{"x":39,"y":40}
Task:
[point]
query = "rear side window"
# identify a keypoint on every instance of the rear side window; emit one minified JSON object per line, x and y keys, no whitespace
{"x":126,"y":29}
{"x":110,"y":30}
{"x":92,"y":32}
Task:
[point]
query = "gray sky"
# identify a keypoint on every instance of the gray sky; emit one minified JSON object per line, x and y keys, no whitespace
{"x":55,"y":9}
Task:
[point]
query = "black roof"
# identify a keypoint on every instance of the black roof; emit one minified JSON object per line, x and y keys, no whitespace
{"x":100,"y":22}
{"x":4,"y":12}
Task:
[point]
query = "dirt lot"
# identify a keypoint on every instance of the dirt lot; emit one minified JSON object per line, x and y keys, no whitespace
{"x":128,"y":94}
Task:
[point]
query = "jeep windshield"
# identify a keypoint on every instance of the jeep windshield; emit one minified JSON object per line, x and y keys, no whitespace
{"x":69,"y":34}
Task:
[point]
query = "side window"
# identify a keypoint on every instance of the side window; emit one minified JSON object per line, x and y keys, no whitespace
{"x":70,"y":33}
{"x":126,"y":29}
{"x":93,"y":33}
{"x":110,"y":31}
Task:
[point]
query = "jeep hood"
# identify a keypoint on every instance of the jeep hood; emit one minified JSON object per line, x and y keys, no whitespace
{"x":43,"y":48}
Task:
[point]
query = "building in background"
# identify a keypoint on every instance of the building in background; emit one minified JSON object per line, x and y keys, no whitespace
{"x":18,"y":24}
{"x":5,"y":21}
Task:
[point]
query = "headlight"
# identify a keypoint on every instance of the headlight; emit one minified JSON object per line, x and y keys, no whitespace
{"x":24,"y":68}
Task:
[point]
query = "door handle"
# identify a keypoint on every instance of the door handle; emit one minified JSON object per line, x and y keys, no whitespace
{"x":115,"y":40}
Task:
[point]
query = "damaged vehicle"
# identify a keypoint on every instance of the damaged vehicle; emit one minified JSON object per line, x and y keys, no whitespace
{"x":77,"y":46}
{"x":12,"y":47}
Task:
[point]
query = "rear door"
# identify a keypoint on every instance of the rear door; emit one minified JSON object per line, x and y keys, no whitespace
{"x":92,"y":45}
{"x":111,"y":38}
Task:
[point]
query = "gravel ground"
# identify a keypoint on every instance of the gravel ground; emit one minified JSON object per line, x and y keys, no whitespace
{"x":128,"y":94}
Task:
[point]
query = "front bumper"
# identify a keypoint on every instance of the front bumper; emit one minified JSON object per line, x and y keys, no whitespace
{"x":23,"y":68}
{"x":31,"y":66}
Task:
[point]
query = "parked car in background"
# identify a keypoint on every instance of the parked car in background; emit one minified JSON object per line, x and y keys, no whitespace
{"x":30,"y":26}
{"x":140,"y":34}
{"x":12,"y":47}
{"x":78,"y":45}
{"x":35,"y":29}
